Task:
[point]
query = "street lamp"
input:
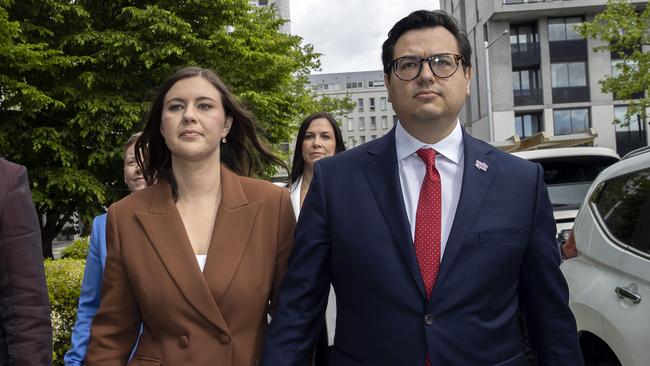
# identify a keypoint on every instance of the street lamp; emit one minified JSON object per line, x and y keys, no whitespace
{"x":487,"y":45}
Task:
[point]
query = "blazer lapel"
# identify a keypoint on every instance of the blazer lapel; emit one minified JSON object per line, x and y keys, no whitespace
{"x":479,"y":171}
{"x":164,"y":228}
{"x":231,"y":234}
{"x":383,"y":177}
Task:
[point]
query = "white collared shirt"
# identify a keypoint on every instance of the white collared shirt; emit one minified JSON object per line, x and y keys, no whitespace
{"x":449,"y":162}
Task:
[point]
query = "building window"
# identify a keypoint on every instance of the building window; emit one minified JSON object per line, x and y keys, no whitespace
{"x":362,"y":139}
{"x":373,"y":137}
{"x":618,"y":66}
{"x":382,"y":103}
{"x":525,"y":87}
{"x":395,"y":119}
{"x":373,"y":123}
{"x":630,"y":134}
{"x":528,"y":124}
{"x":375,"y":84}
{"x":350,"y":124}
{"x":360,"y":105}
{"x":263,"y":2}
{"x":362,"y":123}
{"x":563,"y":29}
{"x":569,"y":121}
{"x":568,"y":74}
{"x":372,"y":104}
{"x":523,"y":38}
{"x":354,"y":85}
{"x":384,"y":122}
{"x":350,"y":141}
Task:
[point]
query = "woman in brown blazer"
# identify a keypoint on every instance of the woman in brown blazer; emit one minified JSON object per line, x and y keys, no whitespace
{"x":200,"y":146}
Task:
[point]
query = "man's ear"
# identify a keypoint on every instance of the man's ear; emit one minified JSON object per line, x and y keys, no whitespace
{"x":387,"y":84}
{"x":468,"y":77}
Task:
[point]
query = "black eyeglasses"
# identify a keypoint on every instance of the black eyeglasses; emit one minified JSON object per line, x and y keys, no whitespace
{"x":442,"y":65}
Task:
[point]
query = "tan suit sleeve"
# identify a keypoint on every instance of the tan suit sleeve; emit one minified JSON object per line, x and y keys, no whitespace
{"x":115,"y":327}
{"x":286,"y":226}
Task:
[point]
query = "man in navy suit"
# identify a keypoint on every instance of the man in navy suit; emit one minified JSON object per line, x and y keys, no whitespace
{"x":436,"y":243}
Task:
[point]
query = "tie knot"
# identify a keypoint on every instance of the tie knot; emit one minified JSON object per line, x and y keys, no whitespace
{"x":428,"y":156}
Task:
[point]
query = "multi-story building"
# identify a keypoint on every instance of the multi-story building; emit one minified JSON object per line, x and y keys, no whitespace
{"x":283,"y":10}
{"x":542,"y":75}
{"x":373,"y":115}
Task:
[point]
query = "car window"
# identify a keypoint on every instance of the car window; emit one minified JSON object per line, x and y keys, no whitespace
{"x":574,"y":169}
{"x":623,"y":204}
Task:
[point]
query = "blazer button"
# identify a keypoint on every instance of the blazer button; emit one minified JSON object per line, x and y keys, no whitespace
{"x":184,"y":341}
{"x":223,"y":338}
{"x":428,"y":319}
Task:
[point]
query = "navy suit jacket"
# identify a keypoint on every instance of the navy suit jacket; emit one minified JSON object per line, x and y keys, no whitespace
{"x":501,"y":260}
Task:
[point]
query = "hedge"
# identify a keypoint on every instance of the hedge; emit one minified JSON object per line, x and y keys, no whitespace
{"x":64,"y":284}
{"x":78,"y":249}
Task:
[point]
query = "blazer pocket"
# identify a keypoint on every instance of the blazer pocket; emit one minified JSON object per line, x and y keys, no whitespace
{"x":518,"y":360}
{"x":144,"y":361}
{"x":502,"y":237}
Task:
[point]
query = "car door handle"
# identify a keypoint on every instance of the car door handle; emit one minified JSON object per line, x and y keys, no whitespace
{"x":630,"y":292}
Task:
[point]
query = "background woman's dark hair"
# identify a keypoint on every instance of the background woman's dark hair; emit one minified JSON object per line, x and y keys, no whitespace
{"x":243,"y":152}
{"x":420,"y":19}
{"x":298,"y":162}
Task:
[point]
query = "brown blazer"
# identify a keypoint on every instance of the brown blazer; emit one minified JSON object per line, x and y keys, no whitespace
{"x":217,"y":317}
{"x":25,"y":327}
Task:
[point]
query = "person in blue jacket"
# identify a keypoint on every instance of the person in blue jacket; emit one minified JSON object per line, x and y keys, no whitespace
{"x":93,"y":274}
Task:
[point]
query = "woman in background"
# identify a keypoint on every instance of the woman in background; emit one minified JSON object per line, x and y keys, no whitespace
{"x":319,"y":136}
{"x":198,"y":256}
{"x":94,"y":271}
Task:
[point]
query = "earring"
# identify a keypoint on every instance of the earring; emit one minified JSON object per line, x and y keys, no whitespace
{"x":223,"y":140}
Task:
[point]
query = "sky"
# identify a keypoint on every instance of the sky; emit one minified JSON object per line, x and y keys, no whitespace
{"x":349,"y":33}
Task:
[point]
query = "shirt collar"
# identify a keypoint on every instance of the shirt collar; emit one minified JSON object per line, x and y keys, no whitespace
{"x":450,"y":147}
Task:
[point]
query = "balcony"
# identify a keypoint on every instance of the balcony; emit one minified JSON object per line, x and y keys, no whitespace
{"x":571,"y":50}
{"x":528,"y":96}
{"x":524,"y":54}
{"x":571,"y":94}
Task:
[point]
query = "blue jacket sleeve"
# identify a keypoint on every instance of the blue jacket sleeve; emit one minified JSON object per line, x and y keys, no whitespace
{"x":544,"y":293}
{"x":90,"y":293}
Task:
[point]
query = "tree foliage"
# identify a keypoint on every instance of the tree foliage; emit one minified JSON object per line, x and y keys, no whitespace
{"x":76,"y":79}
{"x":625,"y":31}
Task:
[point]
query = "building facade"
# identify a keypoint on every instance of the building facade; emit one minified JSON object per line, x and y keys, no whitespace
{"x":542,"y":75}
{"x":283,"y":10}
{"x":373,"y":115}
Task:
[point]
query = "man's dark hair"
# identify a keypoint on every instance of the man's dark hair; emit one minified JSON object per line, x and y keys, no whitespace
{"x":420,"y":19}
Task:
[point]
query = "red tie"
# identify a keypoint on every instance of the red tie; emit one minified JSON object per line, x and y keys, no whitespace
{"x":428,"y":220}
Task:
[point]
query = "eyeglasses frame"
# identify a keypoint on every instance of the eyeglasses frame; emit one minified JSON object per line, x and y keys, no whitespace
{"x":457,"y":58}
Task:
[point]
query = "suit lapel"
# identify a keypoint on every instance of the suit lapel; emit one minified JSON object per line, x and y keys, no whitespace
{"x":230,"y":236}
{"x":476,"y":183}
{"x":164,"y":228}
{"x":383,"y":177}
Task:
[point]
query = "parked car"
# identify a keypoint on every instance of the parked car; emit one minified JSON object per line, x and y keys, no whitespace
{"x":568,"y":173}
{"x":609,"y":275}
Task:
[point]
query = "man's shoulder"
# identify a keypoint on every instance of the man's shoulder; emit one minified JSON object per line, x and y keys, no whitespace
{"x":359,"y":154}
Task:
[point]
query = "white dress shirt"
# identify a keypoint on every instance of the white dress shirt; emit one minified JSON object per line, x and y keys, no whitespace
{"x":449,"y":162}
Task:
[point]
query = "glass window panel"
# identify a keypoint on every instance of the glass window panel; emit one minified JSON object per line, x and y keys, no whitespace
{"x":525,"y":80}
{"x":577,"y":74}
{"x":516,"y":83}
{"x":562,"y":122}
{"x":559,"y":75}
{"x":571,"y":32}
{"x":528,"y":125}
{"x":556,"y":30}
{"x":579,"y":120}
{"x":518,"y":126}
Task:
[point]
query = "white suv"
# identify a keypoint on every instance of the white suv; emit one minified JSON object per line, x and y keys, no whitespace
{"x":568,"y":173}
{"x":609,"y":277}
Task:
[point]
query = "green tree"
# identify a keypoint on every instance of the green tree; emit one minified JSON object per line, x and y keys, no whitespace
{"x":76,"y":78}
{"x":624,"y":31}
